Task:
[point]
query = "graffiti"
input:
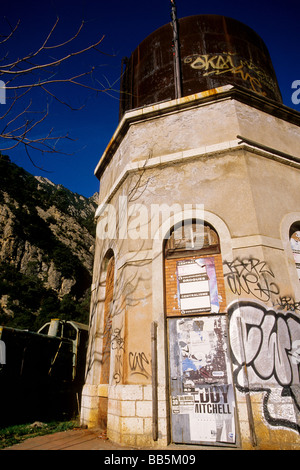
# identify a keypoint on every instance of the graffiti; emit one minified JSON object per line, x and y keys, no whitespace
{"x":296,"y":352}
{"x":254,"y":277}
{"x":117,"y":345}
{"x":217,"y":64}
{"x":117,"y":342}
{"x":269,"y":342}
{"x":250,"y":276}
{"x":138,"y":364}
{"x":287,"y":303}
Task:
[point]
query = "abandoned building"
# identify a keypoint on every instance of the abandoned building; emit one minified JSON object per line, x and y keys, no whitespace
{"x":195,"y":315}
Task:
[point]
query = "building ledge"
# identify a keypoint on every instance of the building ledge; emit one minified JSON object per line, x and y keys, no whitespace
{"x":216,"y":94}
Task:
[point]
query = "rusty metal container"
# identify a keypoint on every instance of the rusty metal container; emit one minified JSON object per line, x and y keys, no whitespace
{"x":215,"y":51}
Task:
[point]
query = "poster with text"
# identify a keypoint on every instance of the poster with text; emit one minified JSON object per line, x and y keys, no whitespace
{"x":197,"y":286}
{"x":202,"y":401}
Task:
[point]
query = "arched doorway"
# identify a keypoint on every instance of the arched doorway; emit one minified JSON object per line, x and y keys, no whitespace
{"x":202,"y":405}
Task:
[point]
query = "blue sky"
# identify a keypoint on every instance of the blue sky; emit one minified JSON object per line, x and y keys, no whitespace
{"x":125,"y":24}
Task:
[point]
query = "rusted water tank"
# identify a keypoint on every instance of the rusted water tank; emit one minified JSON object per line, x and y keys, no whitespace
{"x":215,"y":51}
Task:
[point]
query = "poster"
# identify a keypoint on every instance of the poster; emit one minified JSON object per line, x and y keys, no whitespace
{"x":202,"y":352}
{"x":211,"y":413}
{"x":197,"y":286}
{"x":204,"y":395}
{"x":295,"y":244}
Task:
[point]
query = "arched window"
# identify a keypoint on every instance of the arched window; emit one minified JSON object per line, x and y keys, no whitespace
{"x":194,"y":282}
{"x":295,"y":244}
{"x":190,"y":236}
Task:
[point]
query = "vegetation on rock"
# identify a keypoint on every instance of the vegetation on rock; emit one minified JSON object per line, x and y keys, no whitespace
{"x":46,"y":250}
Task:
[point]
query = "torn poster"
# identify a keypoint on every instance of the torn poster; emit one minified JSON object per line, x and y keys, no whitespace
{"x":197,"y":286}
{"x":202,"y":393}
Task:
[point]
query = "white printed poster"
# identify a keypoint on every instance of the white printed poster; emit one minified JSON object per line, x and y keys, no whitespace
{"x":197,"y":286}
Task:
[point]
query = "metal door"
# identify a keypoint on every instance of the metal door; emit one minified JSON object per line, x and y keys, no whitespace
{"x":202,"y":396}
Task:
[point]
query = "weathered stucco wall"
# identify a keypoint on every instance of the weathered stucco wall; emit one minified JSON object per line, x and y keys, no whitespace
{"x":165,"y":160}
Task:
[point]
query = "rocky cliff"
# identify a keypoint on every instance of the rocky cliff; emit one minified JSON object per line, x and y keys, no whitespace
{"x":46,"y":249}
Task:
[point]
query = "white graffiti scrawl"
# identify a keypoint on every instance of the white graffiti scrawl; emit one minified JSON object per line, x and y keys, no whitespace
{"x":268,"y":342}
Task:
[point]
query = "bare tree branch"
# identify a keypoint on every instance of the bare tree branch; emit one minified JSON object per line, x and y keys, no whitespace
{"x":37,"y":71}
{"x":7,"y":68}
{"x":68,"y":40}
{"x":6,"y":38}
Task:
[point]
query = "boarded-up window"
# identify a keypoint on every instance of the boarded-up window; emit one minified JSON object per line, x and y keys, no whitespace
{"x":194,"y":281}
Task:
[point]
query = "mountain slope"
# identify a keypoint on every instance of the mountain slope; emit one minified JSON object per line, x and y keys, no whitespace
{"x":46,"y":249}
